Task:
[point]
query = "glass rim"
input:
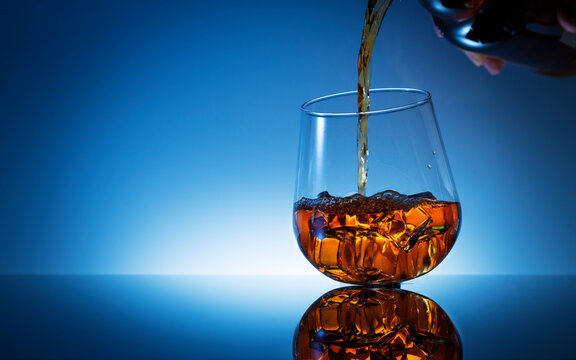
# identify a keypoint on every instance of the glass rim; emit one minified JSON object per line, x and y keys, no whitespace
{"x":426,"y":99}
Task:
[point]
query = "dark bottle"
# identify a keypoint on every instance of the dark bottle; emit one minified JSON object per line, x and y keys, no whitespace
{"x":524,"y":32}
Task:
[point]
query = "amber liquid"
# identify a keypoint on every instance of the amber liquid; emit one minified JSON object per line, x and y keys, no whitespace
{"x":360,"y":323}
{"x":386,"y":237}
{"x":375,"y":12}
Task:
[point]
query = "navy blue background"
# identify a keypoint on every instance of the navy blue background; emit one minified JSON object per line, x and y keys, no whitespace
{"x":159,"y":137}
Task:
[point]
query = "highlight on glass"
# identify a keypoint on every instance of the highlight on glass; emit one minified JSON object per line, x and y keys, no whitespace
{"x":375,"y":201}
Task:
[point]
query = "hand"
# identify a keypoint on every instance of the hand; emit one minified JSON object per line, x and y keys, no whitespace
{"x":562,"y":12}
{"x":566,"y":15}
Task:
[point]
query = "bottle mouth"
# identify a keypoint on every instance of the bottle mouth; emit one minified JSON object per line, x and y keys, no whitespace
{"x":456,"y":10}
{"x":382,"y":100}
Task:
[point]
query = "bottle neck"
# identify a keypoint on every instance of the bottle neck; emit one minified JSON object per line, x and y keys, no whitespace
{"x":455,"y":10}
{"x":517,"y":31}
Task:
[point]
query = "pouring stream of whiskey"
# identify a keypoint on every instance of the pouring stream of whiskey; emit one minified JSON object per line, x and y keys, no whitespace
{"x":375,"y":12}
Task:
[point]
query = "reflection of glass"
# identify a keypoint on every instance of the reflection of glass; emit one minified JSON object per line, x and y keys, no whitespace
{"x":408,"y":219}
{"x":375,"y":323}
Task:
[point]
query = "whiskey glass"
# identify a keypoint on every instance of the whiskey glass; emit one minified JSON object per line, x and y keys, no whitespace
{"x":406,"y":218}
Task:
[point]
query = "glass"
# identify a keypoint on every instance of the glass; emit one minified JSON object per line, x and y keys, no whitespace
{"x":376,"y":323}
{"x":408,"y":219}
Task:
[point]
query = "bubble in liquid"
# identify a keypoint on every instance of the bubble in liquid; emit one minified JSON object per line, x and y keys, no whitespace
{"x":429,"y":166}
{"x":433,"y":152}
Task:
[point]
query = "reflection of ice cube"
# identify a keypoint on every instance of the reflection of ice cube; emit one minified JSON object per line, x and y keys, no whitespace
{"x":409,"y":343}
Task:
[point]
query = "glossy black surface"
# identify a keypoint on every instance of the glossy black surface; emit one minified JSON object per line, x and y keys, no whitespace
{"x":254,"y":317}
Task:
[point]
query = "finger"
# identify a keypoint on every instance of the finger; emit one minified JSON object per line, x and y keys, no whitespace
{"x":476,"y":58}
{"x":436,"y":29}
{"x":567,"y":15}
{"x":494,"y":65}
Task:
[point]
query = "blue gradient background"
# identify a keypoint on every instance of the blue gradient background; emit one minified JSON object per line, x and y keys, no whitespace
{"x":159,"y":137}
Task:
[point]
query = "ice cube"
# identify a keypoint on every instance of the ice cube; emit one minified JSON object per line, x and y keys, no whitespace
{"x":324,"y":194}
{"x":424,"y":195}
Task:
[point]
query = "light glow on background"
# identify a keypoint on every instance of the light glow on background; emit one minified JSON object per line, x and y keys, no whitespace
{"x":160,"y":137}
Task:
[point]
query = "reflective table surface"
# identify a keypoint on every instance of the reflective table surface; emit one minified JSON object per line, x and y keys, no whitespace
{"x":286,"y":317}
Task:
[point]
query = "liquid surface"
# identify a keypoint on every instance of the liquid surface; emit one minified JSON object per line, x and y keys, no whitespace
{"x":362,"y":323}
{"x":386,"y":237}
{"x":375,"y":12}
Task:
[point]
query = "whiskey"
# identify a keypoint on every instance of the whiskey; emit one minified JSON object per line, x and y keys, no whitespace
{"x":375,"y":12}
{"x":363,"y":323}
{"x":387,"y":237}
